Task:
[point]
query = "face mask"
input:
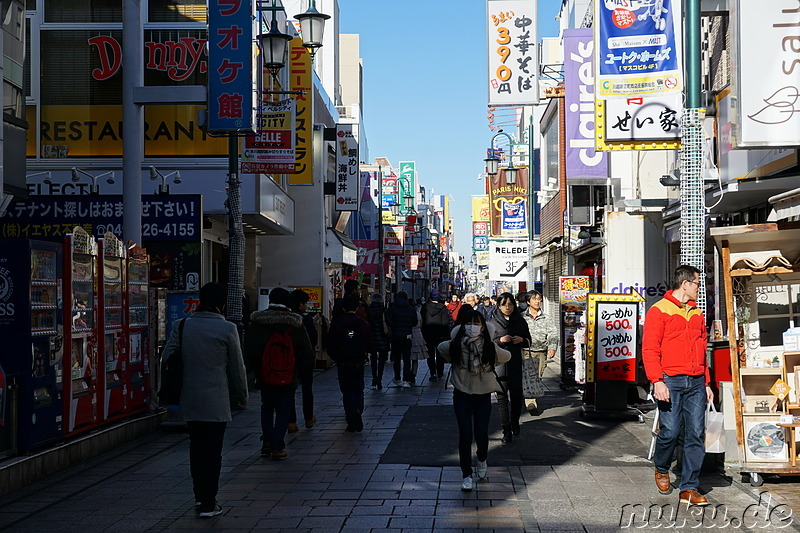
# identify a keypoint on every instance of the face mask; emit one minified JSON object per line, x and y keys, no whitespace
{"x":472,"y":330}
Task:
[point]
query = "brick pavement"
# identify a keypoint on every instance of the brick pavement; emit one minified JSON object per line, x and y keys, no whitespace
{"x":338,"y":481}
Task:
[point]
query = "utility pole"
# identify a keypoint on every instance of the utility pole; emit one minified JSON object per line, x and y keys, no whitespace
{"x":381,"y":272}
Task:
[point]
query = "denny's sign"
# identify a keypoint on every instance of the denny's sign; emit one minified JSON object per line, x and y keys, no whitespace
{"x":178,"y":59}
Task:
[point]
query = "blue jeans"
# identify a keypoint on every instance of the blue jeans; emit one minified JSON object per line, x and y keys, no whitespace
{"x":472,"y":414}
{"x":276,"y":407}
{"x":687,"y":408}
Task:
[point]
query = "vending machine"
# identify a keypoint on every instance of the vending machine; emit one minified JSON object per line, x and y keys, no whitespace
{"x":32,"y":333}
{"x":138,"y":328}
{"x":113,"y":341}
{"x":80,"y":321}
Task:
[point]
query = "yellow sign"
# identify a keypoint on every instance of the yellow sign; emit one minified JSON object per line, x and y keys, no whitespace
{"x":300,"y":80}
{"x":480,"y":209}
{"x":780,"y":389}
{"x":314,"y":297}
{"x":96,"y":131}
{"x":388,"y":218}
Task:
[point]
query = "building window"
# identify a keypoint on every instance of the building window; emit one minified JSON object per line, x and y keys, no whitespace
{"x":82,"y":11}
{"x":177,"y":11}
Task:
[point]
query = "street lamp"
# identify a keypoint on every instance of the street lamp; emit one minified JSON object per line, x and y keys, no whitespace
{"x":493,"y":162}
{"x":312,"y":25}
{"x":273,"y":46}
{"x":163,"y":189}
{"x":94,"y":188}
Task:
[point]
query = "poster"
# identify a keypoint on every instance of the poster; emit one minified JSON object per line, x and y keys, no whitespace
{"x":612,"y":340}
{"x":508,"y":205}
{"x":271,"y":150}
{"x":393,"y":240}
{"x":347,"y":171}
{"x":480,"y":208}
{"x":573,"y":290}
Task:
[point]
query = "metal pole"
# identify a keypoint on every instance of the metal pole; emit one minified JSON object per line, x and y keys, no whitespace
{"x":381,"y":272}
{"x":691,"y":179}
{"x":235,"y":237}
{"x":132,"y":121}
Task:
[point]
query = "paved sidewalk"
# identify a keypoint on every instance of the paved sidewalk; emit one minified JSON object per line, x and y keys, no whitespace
{"x":563,"y":473}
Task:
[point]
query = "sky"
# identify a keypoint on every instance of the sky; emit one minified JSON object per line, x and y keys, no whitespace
{"x":425,"y":96}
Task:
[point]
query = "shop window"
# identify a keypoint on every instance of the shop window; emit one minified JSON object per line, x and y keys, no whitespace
{"x":82,"y":11}
{"x":177,"y":11}
{"x":774,"y":309}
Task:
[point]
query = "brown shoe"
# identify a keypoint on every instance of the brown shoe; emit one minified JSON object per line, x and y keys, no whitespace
{"x":692,"y":497}
{"x":310,"y":423}
{"x":279,"y":455}
{"x":662,"y":482}
{"x":292,"y":428}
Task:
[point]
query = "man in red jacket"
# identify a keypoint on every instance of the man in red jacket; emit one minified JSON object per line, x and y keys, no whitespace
{"x":674,"y":354}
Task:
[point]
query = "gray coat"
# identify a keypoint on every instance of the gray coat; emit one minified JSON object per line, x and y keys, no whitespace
{"x":213,"y":368}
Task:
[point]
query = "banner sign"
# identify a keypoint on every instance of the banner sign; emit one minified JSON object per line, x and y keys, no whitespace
{"x":346,"y":169}
{"x":436,"y":272}
{"x":231,"y":74}
{"x":581,"y":159}
{"x":480,"y":208}
{"x":642,"y":119}
{"x":766,"y":72}
{"x":407,"y":186}
{"x":368,"y":257}
{"x":300,"y":80}
{"x":480,"y":229}
{"x":480,"y":244}
{"x":393,"y":240}
{"x":612,"y":339}
{"x":512,"y":47}
{"x":573,"y":290}
{"x":508,"y":260}
{"x":180,"y":305}
{"x":271,"y":151}
{"x":638,"y":47}
{"x":508,"y":205}
{"x":482,"y":258}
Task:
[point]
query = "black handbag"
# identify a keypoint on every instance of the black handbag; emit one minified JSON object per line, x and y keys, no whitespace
{"x":172,"y":373}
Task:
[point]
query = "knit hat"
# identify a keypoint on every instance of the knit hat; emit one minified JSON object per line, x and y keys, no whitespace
{"x":435,"y":294}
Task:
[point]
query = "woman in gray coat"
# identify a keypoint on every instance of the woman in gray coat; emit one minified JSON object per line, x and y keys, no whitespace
{"x":213,"y":379}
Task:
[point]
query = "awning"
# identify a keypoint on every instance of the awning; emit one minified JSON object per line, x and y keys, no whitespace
{"x":340,"y":249}
{"x":539,"y":257}
{"x":785,"y":205}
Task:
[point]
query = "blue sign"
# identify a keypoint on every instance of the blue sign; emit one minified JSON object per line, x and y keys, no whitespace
{"x":180,"y":305}
{"x":231,"y":76}
{"x":387,"y":200}
{"x":512,"y":218}
{"x":480,"y":244}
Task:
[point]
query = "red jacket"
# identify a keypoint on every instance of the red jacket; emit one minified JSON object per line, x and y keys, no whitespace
{"x":674,"y":340}
{"x":453,"y":308}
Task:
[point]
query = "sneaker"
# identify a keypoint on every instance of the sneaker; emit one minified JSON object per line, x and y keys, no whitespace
{"x":482,"y":469}
{"x":406,"y":384}
{"x":373,"y":387}
{"x":433,"y":379}
{"x":310,"y":423}
{"x":209,"y":511}
{"x":466,"y":485}
{"x":397,"y":382}
{"x":266,"y":449}
{"x":279,"y":455}
{"x":198,"y":504}
{"x":292,"y":428}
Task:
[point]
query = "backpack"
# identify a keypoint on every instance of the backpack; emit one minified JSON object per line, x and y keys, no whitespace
{"x":277,"y":359}
{"x":351,"y":345}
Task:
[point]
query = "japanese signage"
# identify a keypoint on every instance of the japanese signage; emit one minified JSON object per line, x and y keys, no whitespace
{"x":407,"y":186}
{"x":612,"y":339}
{"x":480,"y":244}
{"x":271,"y":151}
{"x":346,"y":169}
{"x":647,"y":118}
{"x":508,"y":205}
{"x":393,"y":239}
{"x":300,"y":80}
{"x":368,"y":257}
{"x":180,"y":305}
{"x":512,"y":42}
{"x":638,"y":47}
{"x":436,"y":272}
{"x":230,"y":66}
{"x":508,"y":260}
{"x":480,"y":229}
{"x":573,"y":290}
{"x":766,"y":73}
{"x":480,"y":208}
{"x":582,"y":160}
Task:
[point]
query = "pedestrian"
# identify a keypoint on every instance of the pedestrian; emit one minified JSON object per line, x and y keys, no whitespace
{"x":473,"y":356}
{"x":276,"y":348}
{"x":348,"y":344}
{"x":214,"y":380}
{"x":544,"y":339}
{"x":453,"y":306}
{"x":674,"y":356}
{"x":379,"y":328}
{"x":435,"y":329}
{"x":351,"y":286}
{"x":305,"y":375}
{"x":510,"y":331}
{"x":522,"y":301}
{"x":486,"y":308}
{"x":402,"y":318}
{"x":471,"y":299}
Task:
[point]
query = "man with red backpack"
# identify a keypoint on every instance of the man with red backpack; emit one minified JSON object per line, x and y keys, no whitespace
{"x":276,"y":348}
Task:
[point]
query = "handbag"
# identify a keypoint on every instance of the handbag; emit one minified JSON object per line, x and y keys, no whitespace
{"x":532,"y":386}
{"x":169,"y":393}
{"x":715,"y":433}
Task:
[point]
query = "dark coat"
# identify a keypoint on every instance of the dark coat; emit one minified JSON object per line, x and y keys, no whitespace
{"x":377,"y":315}
{"x":436,"y":321}
{"x":266,"y":322}
{"x":487,"y":311}
{"x":340,"y":325}
{"x":402,"y":317}
{"x":515,"y":325}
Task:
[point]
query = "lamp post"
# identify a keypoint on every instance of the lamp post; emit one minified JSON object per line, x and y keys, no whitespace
{"x":94,"y":189}
{"x":493,"y":162}
{"x":163,"y":188}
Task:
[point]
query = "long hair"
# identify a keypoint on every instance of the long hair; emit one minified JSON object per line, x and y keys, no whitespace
{"x":488,"y":355}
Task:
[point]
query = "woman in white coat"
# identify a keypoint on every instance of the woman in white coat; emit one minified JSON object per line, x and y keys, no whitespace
{"x":473,"y":356}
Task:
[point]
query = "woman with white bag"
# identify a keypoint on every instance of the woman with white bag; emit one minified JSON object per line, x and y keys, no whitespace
{"x":473,"y":356}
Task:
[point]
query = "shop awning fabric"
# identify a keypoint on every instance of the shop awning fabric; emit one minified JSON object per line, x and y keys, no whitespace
{"x":785,"y":205}
{"x":341,"y":249}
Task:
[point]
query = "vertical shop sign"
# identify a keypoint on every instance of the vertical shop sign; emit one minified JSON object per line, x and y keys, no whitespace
{"x":407,"y":186}
{"x":346,"y":169}
{"x":612,"y":328}
{"x":300,"y":80}
{"x":512,"y":48}
{"x":480,"y":208}
{"x":480,"y":229}
{"x":393,"y":239}
{"x":638,"y":47}
{"x":508,"y":205}
{"x":271,"y":150}
{"x":230,"y":66}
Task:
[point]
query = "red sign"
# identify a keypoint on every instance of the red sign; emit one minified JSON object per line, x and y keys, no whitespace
{"x":178,"y":59}
{"x":480,"y":229}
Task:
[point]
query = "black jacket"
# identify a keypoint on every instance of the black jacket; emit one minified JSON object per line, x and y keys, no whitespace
{"x":377,"y":315}
{"x":339,"y":326}
{"x":436,"y":321}
{"x":515,"y":325}
{"x":402,"y":318}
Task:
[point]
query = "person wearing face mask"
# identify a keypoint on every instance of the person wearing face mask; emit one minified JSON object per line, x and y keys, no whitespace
{"x":510,"y":331}
{"x":473,"y":357}
{"x":544,"y":339}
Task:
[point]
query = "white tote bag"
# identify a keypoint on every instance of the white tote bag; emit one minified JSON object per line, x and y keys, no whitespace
{"x":531,"y":382}
{"x":715,"y":433}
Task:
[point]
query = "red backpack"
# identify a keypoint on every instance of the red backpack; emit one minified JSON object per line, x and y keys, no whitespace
{"x":277,"y":359}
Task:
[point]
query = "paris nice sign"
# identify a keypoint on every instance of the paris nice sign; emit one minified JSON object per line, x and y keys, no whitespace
{"x":179,"y":59}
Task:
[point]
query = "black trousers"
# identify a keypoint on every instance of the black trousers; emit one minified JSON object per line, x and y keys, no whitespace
{"x":401,"y":352}
{"x":432,"y":340}
{"x":351,"y":383}
{"x":306,"y":379}
{"x":205,"y":459}
{"x":472,"y":414}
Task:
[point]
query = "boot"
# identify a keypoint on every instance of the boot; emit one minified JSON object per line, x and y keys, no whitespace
{"x":507,"y":437}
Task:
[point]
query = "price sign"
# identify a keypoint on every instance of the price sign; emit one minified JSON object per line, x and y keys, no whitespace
{"x":780,"y":389}
{"x":613,"y":334}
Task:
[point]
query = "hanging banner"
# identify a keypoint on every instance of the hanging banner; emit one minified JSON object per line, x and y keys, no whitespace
{"x":393,"y":239}
{"x":231,"y":105}
{"x":508,"y":260}
{"x":513,"y":55}
{"x":480,"y":229}
{"x":766,"y":73}
{"x":346,"y":169}
{"x":300,"y":80}
{"x":638,"y":47}
{"x":480,"y":244}
{"x":436,"y":272}
{"x":407,"y":186}
{"x":612,"y":339}
{"x":271,"y":151}
{"x":508,"y":205}
{"x":480,"y":208}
